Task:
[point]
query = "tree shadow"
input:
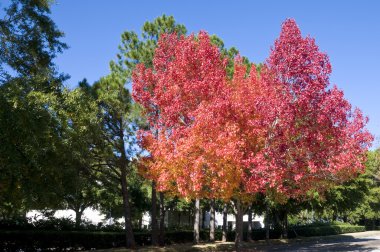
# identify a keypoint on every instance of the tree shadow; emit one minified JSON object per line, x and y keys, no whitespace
{"x":346,"y":243}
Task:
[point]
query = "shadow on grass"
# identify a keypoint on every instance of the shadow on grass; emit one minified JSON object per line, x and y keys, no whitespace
{"x":341,"y":243}
{"x":363,"y":241}
{"x":334,"y":243}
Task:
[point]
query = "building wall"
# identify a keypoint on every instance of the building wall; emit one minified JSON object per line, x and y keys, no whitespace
{"x":172,"y":218}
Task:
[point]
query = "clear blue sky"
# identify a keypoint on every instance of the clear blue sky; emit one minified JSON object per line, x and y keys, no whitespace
{"x":348,"y":31}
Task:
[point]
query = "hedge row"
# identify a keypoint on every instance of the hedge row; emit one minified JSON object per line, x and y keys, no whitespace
{"x":325,"y":230}
{"x":56,"y":224}
{"x":29,"y":240}
{"x":293,"y":232}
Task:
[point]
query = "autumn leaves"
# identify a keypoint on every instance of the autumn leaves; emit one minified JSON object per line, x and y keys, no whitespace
{"x":281,"y":130}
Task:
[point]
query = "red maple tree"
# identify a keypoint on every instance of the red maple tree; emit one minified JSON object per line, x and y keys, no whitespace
{"x":316,"y":139}
{"x":187,"y":71}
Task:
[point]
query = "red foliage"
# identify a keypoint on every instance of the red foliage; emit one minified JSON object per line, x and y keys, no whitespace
{"x":317,"y":138}
{"x":187,"y":72}
{"x":283,"y":130}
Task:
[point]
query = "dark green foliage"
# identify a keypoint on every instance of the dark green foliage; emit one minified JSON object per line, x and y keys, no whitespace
{"x":135,"y":49}
{"x":325,"y":230}
{"x":355,"y":201}
{"x":79,"y":240}
{"x":16,"y":224}
{"x":28,"y":31}
{"x":59,"y":240}
{"x":308,"y":230}
{"x":30,"y":151}
{"x":29,"y":41}
{"x":56,"y":224}
{"x":231,"y":54}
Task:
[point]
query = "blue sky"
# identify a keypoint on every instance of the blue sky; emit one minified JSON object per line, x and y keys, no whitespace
{"x":348,"y":31}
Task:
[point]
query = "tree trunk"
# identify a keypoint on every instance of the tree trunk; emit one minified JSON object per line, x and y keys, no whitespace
{"x":267,"y":221}
{"x":239,"y":225}
{"x":250,"y":224}
{"x":285,"y":225}
{"x":277,"y":222}
{"x":196,"y":221}
{"x":212,"y":220}
{"x":203,"y":218}
{"x":130,"y":239}
{"x":162,"y":220}
{"x":224,"y":228}
{"x":141,"y":222}
{"x":123,"y":163}
{"x":154,"y":215}
{"x":335,"y":215}
{"x":78,"y":218}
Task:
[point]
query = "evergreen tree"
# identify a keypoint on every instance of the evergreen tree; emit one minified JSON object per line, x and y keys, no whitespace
{"x":29,"y":130}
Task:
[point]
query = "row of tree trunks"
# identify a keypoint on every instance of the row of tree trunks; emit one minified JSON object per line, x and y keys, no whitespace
{"x":197,"y":220}
{"x":239,"y":211}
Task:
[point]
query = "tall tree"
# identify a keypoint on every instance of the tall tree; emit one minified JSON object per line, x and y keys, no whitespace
{"x":115,"y":151}
{"x":135,"y":49}
{"x":315,"y":140}
{"x":29,"y":84}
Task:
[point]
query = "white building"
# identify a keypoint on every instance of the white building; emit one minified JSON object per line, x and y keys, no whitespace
{"x":172,"y":218}
{"x":176,"y":218}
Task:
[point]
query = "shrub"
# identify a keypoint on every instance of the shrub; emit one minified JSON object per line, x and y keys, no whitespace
{"x":59,"y":240}
{"x":325,"y":229}
{"x":15,"y":224}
